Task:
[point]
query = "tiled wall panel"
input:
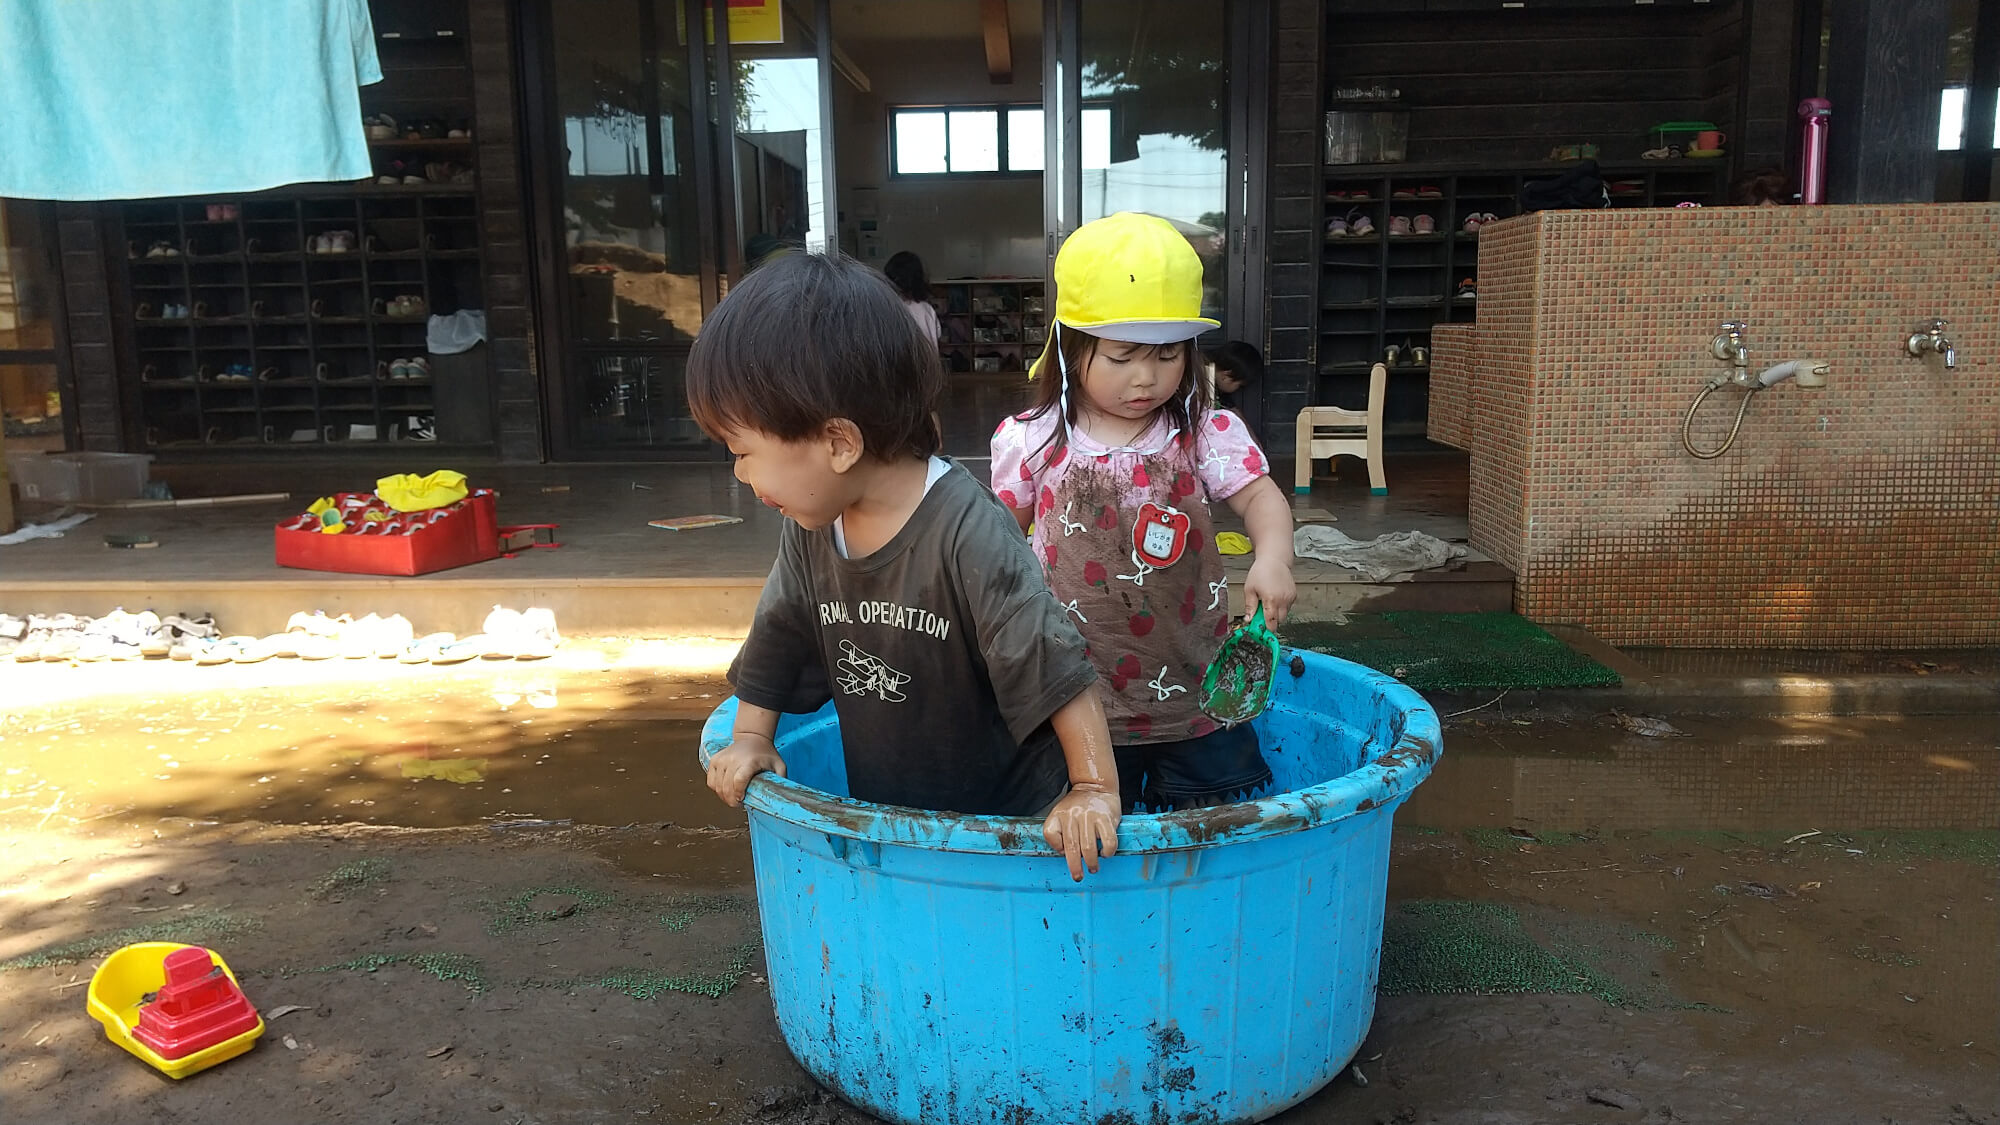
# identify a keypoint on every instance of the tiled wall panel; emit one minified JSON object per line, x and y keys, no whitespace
{"x":1866,"y":513}
{"x":1451,"y":370}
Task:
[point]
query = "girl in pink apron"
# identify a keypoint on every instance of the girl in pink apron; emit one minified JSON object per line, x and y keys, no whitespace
{"x":1115,"y":467}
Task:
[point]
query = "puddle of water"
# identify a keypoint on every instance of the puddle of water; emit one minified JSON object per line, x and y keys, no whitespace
{"x":1826,"y":884}
{"x":1821,"y":881}
{"x":593,"y":749}
{"x":1789,"y":775}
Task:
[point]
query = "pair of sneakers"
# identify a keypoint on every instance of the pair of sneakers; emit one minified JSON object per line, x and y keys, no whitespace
{"x":315,"y":636}
{"x":405,"y":306}
{"x":505,"y":635}
{"x":119,"y":635}
{"x":1357,"y":224}
{"x":415,"y":367}
{"x":332,"y":242}
{"x":517,"y":635}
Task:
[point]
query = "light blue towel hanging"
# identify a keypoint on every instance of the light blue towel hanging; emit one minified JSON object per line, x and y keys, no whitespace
{"x":122,"y":99}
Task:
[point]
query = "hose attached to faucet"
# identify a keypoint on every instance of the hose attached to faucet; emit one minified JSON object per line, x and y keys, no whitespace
{"x":1687,"y":424}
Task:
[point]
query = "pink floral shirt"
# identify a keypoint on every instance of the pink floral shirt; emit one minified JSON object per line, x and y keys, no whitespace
{"x":1226,"y":458}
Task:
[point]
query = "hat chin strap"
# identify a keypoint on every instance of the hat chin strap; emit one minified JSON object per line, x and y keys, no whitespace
{"x":1062,"y":400}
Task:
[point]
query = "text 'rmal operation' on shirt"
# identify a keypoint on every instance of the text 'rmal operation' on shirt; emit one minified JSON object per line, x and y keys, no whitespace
{"x":887,"y":614}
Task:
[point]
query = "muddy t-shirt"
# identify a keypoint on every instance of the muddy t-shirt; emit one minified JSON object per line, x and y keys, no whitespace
{"x":943,"y":652}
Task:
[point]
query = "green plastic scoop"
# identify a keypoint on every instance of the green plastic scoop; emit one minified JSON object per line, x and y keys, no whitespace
{"x":1238,"y":685}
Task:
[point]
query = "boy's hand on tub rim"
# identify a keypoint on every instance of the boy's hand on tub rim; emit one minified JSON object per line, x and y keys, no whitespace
{"x":1084,"y":823}
{"x":1083,"y":826}
{"x":732,"y":768}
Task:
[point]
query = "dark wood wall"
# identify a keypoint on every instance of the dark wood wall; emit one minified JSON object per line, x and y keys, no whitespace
{"x":1500,"y":88}
{"x":1496,"y":88}
{"x":96,"y":344}
{"x":509,"y":326}
{"x":1292,"y":183}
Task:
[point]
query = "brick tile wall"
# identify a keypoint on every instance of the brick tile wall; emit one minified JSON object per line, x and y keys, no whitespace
{"x":1502,"y":390}
{"x":1863,"y":514}
{"x":1451,"y":372}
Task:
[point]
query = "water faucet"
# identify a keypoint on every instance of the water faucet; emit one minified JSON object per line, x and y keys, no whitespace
{"x":1729,"y":344}
{"x":1931,"y":338}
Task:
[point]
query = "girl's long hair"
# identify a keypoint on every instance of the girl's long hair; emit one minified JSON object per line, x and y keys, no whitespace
{"x":906,"y":272}
{"x":1076,"y":347}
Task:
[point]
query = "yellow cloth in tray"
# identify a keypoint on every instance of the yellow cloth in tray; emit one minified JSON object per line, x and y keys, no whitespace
{"x":408,"y":492}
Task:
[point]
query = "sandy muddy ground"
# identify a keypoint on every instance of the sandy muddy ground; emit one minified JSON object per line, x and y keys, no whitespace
{"x":453,"y":960}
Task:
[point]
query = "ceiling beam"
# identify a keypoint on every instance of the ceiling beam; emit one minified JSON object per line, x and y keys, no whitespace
{"x":999,"y":41}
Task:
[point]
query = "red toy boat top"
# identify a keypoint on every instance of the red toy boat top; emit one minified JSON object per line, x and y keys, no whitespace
{"x":197,"y":1008}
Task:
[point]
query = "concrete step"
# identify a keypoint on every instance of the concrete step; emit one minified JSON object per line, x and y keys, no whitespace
{"x":627,"y":606}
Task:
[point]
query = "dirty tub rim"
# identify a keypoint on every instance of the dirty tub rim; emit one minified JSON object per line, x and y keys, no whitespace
{"x":1384,"y":779}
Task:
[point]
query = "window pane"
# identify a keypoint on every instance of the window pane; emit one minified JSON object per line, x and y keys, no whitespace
{"x":632,"y":230}
{"x":919,"y":142}
{"x":1951,"y":120}
{"x":1024,"y":140}
{"x":1155,"y":127}
{"x":778,"y":172}
{"x":32,"y":408}
{"x":1096,"y":138}
{"x":975,"y":140}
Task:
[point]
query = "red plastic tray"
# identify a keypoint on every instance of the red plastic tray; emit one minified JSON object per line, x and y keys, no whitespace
{"x":467,"y":534}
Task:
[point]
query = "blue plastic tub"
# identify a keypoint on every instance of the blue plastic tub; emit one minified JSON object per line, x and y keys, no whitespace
{"x":1220,"y":968}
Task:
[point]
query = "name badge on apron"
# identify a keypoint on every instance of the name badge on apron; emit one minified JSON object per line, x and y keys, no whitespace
{"x":1160,"y":535}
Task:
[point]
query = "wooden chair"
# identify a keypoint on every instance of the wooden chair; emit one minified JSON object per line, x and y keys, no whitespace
{"x":1329,"y":431}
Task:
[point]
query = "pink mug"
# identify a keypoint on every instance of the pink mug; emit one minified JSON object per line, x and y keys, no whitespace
{"x":1708,"y":140}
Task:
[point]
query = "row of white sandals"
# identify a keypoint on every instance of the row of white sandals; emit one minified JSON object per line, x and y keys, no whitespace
{"x":505,"y":635}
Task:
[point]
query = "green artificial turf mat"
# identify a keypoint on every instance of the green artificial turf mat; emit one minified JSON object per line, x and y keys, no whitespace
{"x":1490,"y":948}
{"x":1453,"y":651}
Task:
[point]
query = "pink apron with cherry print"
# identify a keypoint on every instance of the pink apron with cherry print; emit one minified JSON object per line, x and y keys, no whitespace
{"x":1126,"y":544}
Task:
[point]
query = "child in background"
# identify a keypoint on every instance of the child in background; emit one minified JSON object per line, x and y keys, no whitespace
{"x":906,"y":272}
{"x":959,"y":682}
{"x":1236,"y":365}
{"x":1115,"y":467}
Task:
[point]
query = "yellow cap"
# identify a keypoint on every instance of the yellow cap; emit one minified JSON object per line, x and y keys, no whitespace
{"x":1128,"y":277}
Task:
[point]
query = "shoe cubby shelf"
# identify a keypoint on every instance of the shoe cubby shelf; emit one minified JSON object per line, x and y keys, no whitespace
{"x":249,"y":329}
{"x":260,"y":327}
{"x":1381,"y":292}
{"x":990,"y":326}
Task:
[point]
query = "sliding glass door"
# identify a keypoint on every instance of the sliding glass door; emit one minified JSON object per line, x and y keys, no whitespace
{"x":675,"y":151}
{"x":31,"y":344}
{"x":1144,"y":115}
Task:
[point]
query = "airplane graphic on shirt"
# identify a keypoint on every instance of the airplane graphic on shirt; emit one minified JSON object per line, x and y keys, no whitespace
{"x":862,"y":674}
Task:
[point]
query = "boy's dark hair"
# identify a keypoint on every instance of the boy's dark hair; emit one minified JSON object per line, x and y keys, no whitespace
{"x":1240,"y":359}
{"x":906,"y":272}
{"x":807,"y":338}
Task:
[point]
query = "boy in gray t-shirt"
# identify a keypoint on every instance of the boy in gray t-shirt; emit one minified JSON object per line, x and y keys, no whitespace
{"x":903,"y":591}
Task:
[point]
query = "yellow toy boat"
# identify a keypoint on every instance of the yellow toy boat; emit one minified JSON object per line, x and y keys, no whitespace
{"x":178,"y":1007}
